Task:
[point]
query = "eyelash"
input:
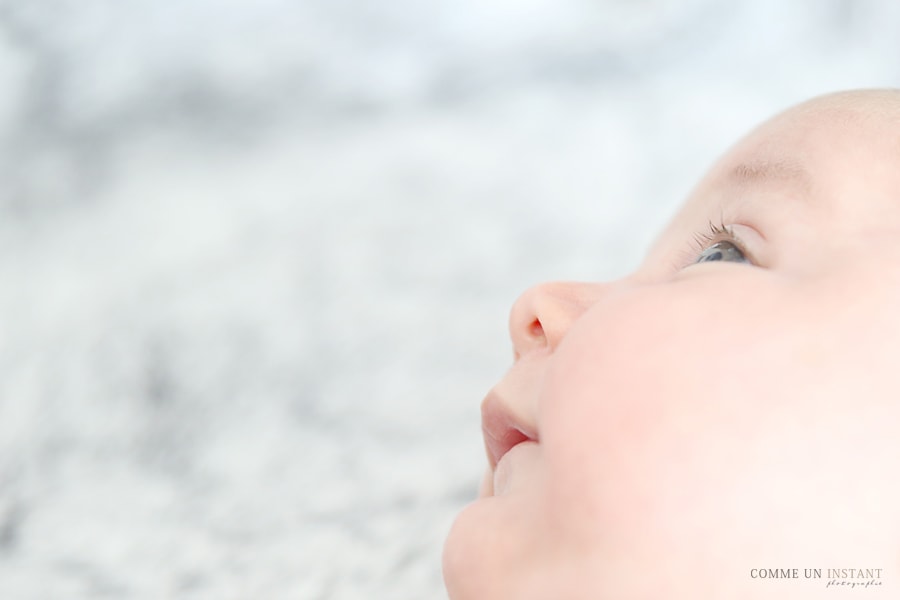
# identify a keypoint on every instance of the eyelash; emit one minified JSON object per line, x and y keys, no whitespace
{"x":715,"y":233}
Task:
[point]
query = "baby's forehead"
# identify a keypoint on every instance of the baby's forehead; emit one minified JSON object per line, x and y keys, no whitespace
{"x":837,"y":145}
{"x":856,"y":106}
{"x":856,"y":114}
{"x":837,"y":126}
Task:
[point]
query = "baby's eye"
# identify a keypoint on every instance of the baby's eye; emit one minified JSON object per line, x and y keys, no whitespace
{"x":722,"y":251}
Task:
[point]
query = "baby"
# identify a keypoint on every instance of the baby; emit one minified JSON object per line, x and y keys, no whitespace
{"x":725,"y":422}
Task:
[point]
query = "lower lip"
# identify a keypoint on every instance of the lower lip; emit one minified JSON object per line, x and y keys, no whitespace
{"x":504,"y":474}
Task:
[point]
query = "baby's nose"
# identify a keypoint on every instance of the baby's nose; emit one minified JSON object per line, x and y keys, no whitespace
{"x":541,"y":317}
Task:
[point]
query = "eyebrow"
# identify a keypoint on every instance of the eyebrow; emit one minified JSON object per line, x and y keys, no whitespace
{"x":771,"y":171}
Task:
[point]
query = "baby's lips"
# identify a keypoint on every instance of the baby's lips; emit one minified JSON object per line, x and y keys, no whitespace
{"x":501,"y":431}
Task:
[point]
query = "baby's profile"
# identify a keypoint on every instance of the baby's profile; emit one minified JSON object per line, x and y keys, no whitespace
{"x":725,"y":421}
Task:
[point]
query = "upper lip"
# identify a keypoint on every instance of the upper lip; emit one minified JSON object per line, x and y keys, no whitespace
{"x":502,"y":427}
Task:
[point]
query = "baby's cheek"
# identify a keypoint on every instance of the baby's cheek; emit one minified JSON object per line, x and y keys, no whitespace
{"x":609,"y":411}
{"x":657,"y":436}
{"x":722,"y":482}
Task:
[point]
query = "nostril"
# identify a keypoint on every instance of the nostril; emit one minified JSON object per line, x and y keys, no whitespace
{"x":534,"y":333}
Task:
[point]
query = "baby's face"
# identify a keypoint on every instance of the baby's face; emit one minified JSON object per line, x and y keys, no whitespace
{"x":663,"y":435}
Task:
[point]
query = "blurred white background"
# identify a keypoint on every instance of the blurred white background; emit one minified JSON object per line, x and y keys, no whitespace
{"x":256,"y":257}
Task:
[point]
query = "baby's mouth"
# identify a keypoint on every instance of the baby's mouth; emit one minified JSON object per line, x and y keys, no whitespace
{"x":502,"y":429}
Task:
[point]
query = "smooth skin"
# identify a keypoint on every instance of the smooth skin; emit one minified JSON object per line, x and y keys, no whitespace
{"x":660,"y":436}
